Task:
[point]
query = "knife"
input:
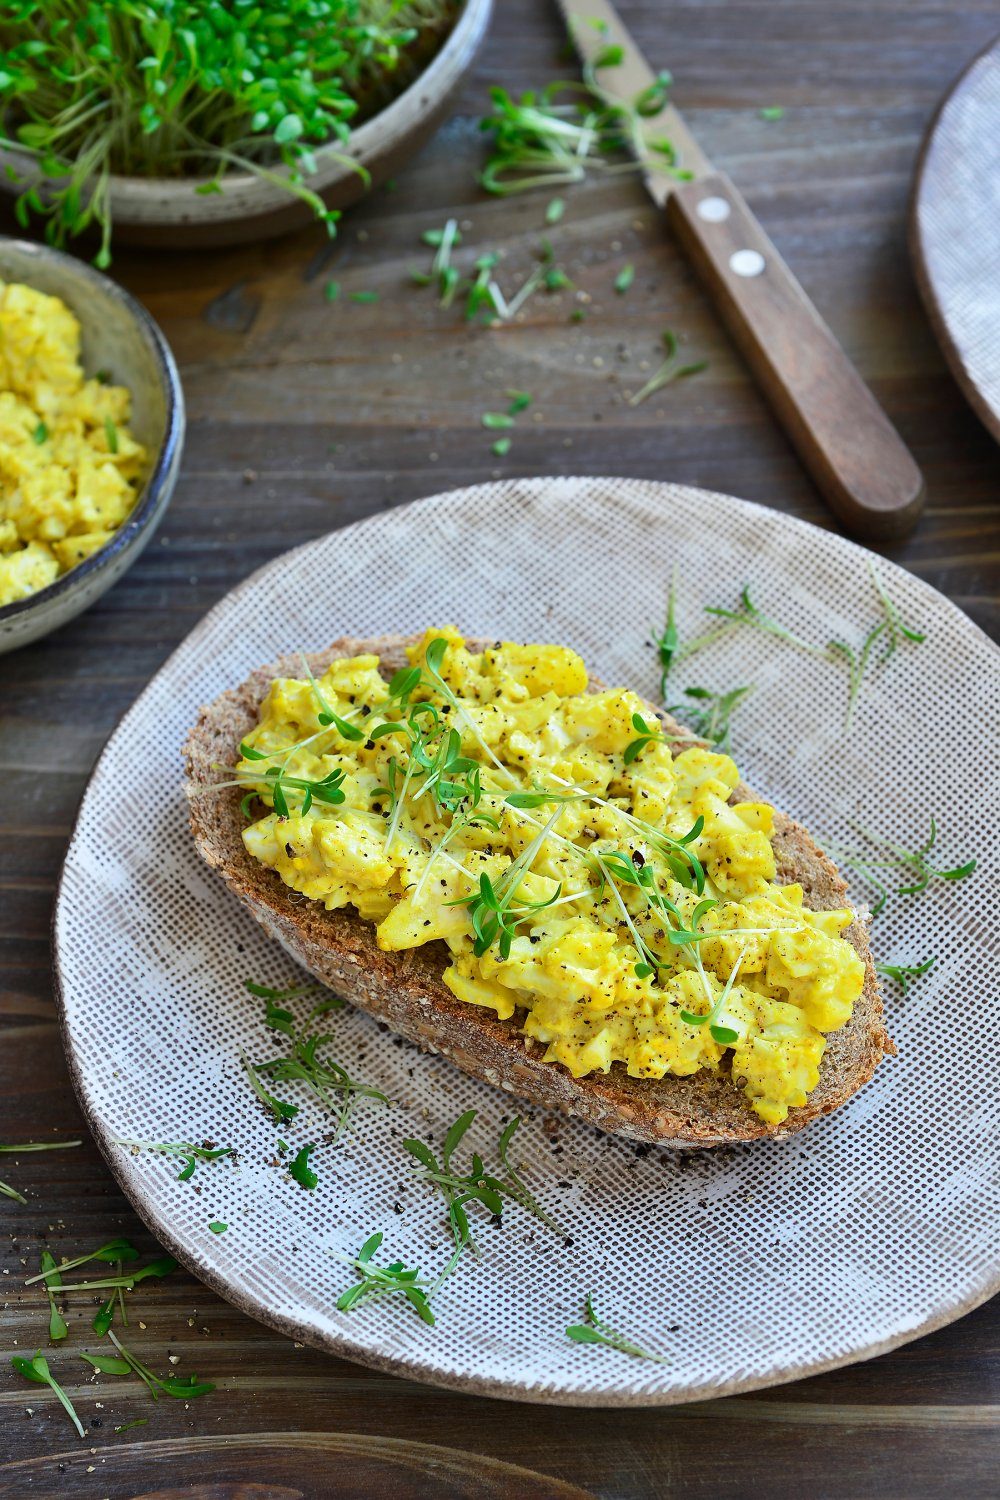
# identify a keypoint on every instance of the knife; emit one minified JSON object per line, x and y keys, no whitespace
{"x":843,"y":437}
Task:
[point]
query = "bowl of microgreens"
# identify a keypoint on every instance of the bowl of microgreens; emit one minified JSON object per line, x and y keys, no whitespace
{"x":175,"y":122}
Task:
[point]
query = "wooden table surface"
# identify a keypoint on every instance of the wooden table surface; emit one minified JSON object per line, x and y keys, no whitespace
{"x":305,"y":415}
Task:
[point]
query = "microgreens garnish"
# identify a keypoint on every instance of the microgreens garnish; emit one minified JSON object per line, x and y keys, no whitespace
{"x":720,"y":1032}
{"x":667,"y":640}
{"x":519,"y":401}
{"x":8,"y":1192}
{"x":483,"y":297}
{"x":278,"y":784}
{"x":447,"y":276}
{"x":624,"y":279}
{"x":905,"y":974}
{"x":897,"y":630}
{"x":37,"y":1370}
{"x":494,"y":419}
{"x":748,"y":613}
{"x":186,"y":1151}
{"x":294,"y":992}
{"x":115,"y":1250}
{"x":771,"y":112}
{"x":496,"y":910}
{"x":325,"y":1079}
{"x":326,"y":715}
{"x":648,"y":735}
{"x":890,"y":631}
{"x":595,"y":1331}
{"x":299,"y":1169}
{"x":617,"y":869}
{"x":670,"y":370}
{"x":53,"y":1283}
{"x":327,"y":790}
{"x":111,"y":435}
{"x":181,"y":1387}
{"x":382,"y":1281}
{"x":218,"y":1226}
{"x":558,"y":135}
{"x":709,"y":713}
{"x":162,"y":1266}
{"x":40,"y":434}
{"x":910,"y":865}
{"x":501,"y":447}
{"x":282,"y":1110}
{"x":105,"y":1315}
{"x":473,"y":1186}
{"x":857,"y":659}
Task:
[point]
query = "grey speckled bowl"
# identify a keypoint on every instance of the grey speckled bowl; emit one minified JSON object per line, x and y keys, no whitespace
{"x":120,"y":336}
{"x":163,"y":212}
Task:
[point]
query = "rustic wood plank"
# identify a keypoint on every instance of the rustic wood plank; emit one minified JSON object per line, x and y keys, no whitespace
{"x":303,"y":420}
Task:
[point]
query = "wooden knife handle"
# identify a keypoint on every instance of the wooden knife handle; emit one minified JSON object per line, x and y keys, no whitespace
{"x":843,"y":437}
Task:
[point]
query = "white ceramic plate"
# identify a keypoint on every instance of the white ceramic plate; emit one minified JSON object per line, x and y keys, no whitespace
{"x":744,"y":1266}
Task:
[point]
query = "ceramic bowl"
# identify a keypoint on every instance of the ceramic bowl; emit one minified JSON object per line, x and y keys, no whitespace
{"x":119,"y":336}
{"x":162,"y":212}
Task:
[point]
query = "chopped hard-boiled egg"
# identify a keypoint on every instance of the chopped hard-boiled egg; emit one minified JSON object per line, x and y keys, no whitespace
{"x":623,"y":911}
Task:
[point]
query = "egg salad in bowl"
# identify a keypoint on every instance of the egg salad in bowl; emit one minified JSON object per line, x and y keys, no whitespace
{"x":70,"y":469}
{"x":590,"y":876}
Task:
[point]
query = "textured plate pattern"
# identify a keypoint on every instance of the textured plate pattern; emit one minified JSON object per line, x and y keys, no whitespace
{"x":746,"y":1265}
{"x":956,"y":210}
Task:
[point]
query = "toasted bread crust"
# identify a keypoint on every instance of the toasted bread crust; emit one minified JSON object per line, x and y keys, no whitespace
{"x":406,"y":990}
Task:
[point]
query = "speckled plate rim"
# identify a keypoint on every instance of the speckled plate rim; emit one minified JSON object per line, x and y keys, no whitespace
{"x":347,"y":1348}
{"x":158,"y":487}
{"x":986,"y":410}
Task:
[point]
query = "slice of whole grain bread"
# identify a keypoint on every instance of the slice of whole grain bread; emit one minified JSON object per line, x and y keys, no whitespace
{"x":406,"y":990}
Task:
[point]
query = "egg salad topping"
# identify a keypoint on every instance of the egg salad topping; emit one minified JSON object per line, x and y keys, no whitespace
{"x":69,"y":467}
{"x":605,"y":892}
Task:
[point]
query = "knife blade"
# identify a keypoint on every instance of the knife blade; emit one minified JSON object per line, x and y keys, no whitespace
{"x":844,"y":438}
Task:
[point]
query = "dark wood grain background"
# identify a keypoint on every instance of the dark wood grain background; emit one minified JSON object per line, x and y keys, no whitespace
{"x":305,"y":415}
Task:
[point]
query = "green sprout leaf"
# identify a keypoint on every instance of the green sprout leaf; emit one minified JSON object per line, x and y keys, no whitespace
{"x":300,"y":1170}
{"x":384,"y":1281}
{"x":889,"y":861}
{"x":710,"y":714}
{"x":8,"y":1192}
{"x":304,"y":1062}
{"x":37,"y":1370}
{"x":180,"y":1387}
{"x":50,"y":1275}
{"x":624,"y":279}
{"x":670,"y":370}
{"x":905,"y":974}
{"x":595,"y":1331}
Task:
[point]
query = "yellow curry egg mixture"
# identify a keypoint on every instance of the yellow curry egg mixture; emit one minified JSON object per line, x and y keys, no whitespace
{"x":69,"y":467}
{"x":582,"y":877}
